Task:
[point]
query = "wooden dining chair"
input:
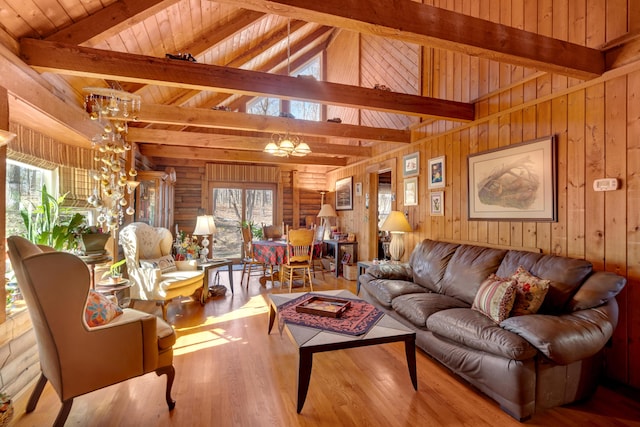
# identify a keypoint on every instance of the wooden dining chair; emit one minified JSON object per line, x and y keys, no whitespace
{"x":318,"y":248}
{"x":249,"y":260}
{"x":299,"y":256}
{"x":272,"y":232}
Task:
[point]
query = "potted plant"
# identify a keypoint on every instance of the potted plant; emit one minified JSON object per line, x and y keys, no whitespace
{"x":91,"y":239}
{"x":46,"y":226}
{"x":115,"y":271}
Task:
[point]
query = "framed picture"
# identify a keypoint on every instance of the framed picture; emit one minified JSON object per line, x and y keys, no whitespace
{"x":411,"y":191}
{"x":358,"y":189}
{"x":411,"y":165}
{"x":346,"y":257}
{"x":514,"y":183}
{"x":436,"y":203}
{"x":436,"y":172}
{"x":344,"y":194}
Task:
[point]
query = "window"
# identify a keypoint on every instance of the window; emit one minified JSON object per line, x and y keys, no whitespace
{"x":303,"y":109}
{"x":264,"y":106}
{"x":24,"y":186}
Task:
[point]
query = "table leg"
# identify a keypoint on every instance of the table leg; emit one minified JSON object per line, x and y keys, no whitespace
{"x":230,"y":268}
{"x":410,"y":350}
{"x":272,"y":317}
{"x":304,"y":375}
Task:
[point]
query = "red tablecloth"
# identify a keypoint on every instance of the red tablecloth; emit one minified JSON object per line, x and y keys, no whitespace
{"x":274,"y":252}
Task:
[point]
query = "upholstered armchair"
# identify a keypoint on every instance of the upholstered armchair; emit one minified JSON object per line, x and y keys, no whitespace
{"x":77,"y":358}
{"x":151,"y":268}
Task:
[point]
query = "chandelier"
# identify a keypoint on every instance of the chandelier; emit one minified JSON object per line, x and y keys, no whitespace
{"x":112,"y":109}
{"x":287,"y":145}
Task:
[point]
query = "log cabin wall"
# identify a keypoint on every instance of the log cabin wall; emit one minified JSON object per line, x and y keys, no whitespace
{"x":597,"y":128}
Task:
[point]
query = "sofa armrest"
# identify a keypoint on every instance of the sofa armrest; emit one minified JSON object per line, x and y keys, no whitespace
{"x":391,"y":272}
{"x":570,"y":337}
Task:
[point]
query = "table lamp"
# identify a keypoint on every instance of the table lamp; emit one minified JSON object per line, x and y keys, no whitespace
{"x":326,"y":212}
{"x":205,"y":226}
{"x":397,"y":224}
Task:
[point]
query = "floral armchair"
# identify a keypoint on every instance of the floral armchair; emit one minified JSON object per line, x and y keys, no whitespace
{"x":152,"y":269}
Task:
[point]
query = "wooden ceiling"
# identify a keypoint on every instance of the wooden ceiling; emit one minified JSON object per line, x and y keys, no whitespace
{"x":243,"y":49}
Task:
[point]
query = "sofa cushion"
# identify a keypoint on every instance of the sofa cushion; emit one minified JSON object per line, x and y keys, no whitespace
{"x":429,"y":261}
{"x":599,"y":288}
{"x":391,"y":271}
{"x":473,"y":329}
{"x":566,"y":275}
{"x":495,"y":298}
{"x":385,"y":290}
{"x":417,"y":308}
{"x":514,"y":259}
{"x":468,"y":268}
{"x":530,"y":292}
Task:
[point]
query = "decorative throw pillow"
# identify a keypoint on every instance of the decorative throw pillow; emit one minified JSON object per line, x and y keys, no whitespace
{"x":495,"y":297}
{"x":530,"y":292}
{"x":165,"y":263}
{"x":100,"y":310}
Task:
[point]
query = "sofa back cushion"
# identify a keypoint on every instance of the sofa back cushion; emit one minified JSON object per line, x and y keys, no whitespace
{"x":467,"y":269}
{"x":429,"y":261}
{"x":514,"y":259}
{"x":566,"y":275}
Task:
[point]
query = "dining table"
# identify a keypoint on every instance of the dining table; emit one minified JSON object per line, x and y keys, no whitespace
{"x":274,"y":254}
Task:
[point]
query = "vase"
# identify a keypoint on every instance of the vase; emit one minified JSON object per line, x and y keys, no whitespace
{"x":93,"y":243}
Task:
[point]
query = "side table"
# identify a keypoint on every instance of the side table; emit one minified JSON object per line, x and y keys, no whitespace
{"x":106,"y":287}
{"x":362,"y":266}
{"x":91,"y":261}
{"x":337,"y":245}
{"x":209,"y":264}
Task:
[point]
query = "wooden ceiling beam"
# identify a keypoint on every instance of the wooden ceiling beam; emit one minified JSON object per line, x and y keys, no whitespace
{"x":109,"y":21}
{"x":228,"y":141}
{"x":207,"y":118}
{"x":88,"y":62}
{"x":217,"y":155}
{"x":427,"y":25}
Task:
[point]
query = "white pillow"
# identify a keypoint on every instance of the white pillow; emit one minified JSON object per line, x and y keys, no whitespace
{"x":165,"y":263}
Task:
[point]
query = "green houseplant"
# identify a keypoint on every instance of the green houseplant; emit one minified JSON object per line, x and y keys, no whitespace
{"x":45,"y":225}
{"x":115,"y":271}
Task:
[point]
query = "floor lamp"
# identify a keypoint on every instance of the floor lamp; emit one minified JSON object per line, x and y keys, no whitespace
{"x":205,"y":226}
{"x":326,"y":212}
{"x":396,"y":224}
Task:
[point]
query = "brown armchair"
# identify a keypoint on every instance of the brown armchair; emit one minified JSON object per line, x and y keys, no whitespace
{"x":75,"y":358}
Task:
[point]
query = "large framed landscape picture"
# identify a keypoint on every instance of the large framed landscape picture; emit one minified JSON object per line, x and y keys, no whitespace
{"x":344,"y":194}
{"x":514,"y":183}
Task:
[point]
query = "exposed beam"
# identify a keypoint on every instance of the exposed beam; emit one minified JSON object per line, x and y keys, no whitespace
{"x":427,"y":25}
{"x":81,"y":61}
{"x":109,"y":20}
{"x":228,"y":141}
{"x":215,"y":155}
{"x":200,"y":117}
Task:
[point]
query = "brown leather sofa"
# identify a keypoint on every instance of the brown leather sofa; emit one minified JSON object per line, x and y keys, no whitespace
{"x":525,"y":363}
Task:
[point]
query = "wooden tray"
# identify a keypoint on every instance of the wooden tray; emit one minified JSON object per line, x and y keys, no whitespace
{"x":324,"y":306}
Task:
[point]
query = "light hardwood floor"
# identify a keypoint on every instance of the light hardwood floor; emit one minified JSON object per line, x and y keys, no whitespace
{"x":229,"y":372}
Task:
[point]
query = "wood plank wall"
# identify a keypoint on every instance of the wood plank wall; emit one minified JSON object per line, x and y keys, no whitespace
{"x":597,"y":127}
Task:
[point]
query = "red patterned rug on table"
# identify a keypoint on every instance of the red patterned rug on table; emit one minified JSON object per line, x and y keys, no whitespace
{"x":356,"y":320}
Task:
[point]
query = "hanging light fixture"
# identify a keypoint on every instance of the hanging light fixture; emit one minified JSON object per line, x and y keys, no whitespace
{"x":287,"y":145}
{"x":112,"y":109}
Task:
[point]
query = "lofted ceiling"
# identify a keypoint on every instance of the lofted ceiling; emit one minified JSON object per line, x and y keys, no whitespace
{"x":243,"y":49}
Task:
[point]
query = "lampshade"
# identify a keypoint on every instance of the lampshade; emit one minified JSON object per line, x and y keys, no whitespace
{"x":396,"y":222}
{"x":327,"y":211}
{"x":204,"y":226}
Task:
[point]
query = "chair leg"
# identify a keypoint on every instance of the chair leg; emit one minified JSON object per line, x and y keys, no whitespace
{"x":63,"y":413}
{"x":35,"y":394}
{"x":310,"y":281}
{"x":170,"y":371}
{"x":163,"y":306}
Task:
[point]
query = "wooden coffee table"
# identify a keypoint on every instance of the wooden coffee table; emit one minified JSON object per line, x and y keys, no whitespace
{"x":312,"y":340}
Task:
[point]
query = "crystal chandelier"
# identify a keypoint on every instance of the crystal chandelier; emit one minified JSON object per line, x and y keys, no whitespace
{"x":287,"y":145}
{"x":112,"y":108}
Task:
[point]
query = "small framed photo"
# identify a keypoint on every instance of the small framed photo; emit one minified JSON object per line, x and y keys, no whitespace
{"x":411,"y":191}
{"x":437,"y":203}
{"x":358,"y":189}
{"x":411,"y":165}
{"x":346,"y":258}
{"x":436,"y":172}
